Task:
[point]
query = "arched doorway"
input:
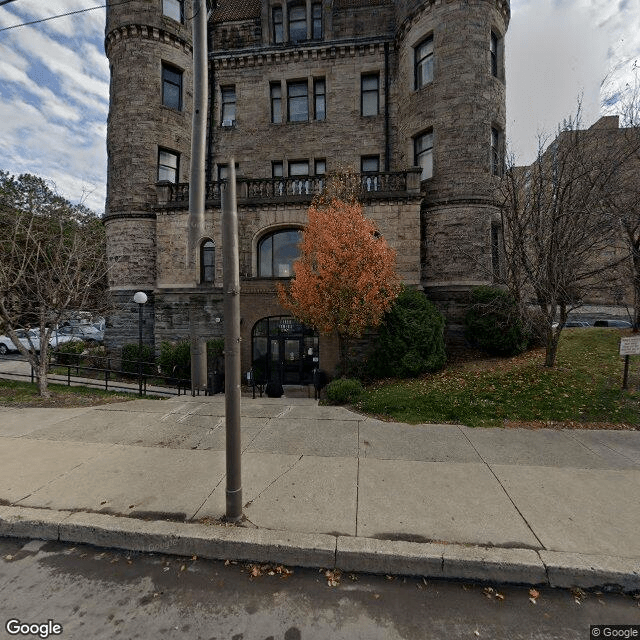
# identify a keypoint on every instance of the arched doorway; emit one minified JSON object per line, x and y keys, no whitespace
{"x":283,"y":350}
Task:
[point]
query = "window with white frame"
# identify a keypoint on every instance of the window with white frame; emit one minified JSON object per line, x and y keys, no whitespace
{"x":423,"y":154}
{"x":423,"y":63}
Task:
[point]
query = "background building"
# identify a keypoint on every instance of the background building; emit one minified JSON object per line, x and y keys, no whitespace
{"x":411,"y":94}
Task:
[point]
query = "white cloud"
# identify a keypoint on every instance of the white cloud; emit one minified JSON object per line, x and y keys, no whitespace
{"x":558,"y":50}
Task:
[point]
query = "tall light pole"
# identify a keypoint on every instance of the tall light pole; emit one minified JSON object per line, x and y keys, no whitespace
{"x":140,"y":297}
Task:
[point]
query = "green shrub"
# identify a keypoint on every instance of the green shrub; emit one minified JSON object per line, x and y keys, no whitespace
{"x":344,"y":391}
{"x":410,"y":340}
{"x":175,"y":359}
{"x":70,"y":352}
{"x":493,"y":323}
{"x":131,"y":353}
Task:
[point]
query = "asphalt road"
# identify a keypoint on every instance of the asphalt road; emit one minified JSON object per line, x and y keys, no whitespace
{"x":99,"y":594}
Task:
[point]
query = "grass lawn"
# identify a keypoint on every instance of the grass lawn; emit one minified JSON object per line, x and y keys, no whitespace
{"x":25,"y":394}
{"x":583,"y":389}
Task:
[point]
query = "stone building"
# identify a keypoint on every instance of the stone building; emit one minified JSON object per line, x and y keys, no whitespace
{"x":411,"y":94}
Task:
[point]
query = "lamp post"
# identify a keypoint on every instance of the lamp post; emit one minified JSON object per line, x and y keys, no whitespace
{"x":140,"y":297}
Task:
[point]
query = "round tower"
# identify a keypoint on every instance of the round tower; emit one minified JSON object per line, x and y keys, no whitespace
{"x":148,"y":43}
{"x":452,"y":116}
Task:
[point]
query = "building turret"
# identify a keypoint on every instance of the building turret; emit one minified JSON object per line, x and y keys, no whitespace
{"x":148,"y":43}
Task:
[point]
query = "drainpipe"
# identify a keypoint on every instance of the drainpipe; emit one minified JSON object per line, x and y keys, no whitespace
{"x":387,"y":141}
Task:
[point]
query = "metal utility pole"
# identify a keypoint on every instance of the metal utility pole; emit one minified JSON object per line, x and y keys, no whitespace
{"x":231,"y":287}
{"x":197,"y":182}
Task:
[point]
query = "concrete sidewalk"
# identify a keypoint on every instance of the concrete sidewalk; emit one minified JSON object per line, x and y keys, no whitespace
{"x":323,"y":486}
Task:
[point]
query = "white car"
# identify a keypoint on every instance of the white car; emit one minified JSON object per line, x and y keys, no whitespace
{"x":28,"y":338}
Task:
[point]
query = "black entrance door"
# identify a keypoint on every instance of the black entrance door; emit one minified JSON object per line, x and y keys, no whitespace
{"x":284,"y":351}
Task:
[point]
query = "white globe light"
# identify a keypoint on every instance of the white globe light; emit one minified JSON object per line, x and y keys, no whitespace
{"x":140,"y":297}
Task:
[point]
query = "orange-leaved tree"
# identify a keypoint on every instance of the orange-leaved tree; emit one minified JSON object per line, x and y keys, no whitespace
{"x":345,"y":279}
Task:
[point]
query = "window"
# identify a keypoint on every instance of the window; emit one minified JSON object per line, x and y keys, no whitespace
{"x":319,"y":98}
{"x":369,"y":94}
{"x":494,"y":55}
{"x":173,"y":9}
{"x":297,"y":22}
{"x":424,"y":63}
{"x":496,"y":244}
{"x":370,"y":165}
{"x":298,"y":103}
{"x":277,"y":170}
{"x":228,"y":106}
{"x":278,"y":25}
{"x":320,"y":166}
{"x":277,"y":252}
{"x":276,"y":102}
{"x":223,"y":171}
{"x":316,"y":16}
{"x":207,"y":261}
{"x":297,"y":169}
{"x":168,"y":164}
{"x":171,"y":87}
{"x":423,"y":154}
{"x":496,"y":155}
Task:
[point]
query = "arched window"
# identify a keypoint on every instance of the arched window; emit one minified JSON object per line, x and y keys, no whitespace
{"x":277,"y":252}
{"x":207,"y":261}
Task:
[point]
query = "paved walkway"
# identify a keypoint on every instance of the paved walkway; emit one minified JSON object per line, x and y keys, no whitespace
{"x":323,"y":486}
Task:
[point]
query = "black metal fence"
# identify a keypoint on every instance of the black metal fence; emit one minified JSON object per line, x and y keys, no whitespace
{"x":79,"y":369}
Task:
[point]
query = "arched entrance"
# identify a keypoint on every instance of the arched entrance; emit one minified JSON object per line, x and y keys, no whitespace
{"x":283,"y":350}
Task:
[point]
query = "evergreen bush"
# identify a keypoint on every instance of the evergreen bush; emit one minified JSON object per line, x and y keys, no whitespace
{"x":70,"y":352}
{"x":493,"y":323}
{"x":131,"y":353}
{"x":410,"y":340}
{"x":175,"y":359}
{"x":344,"y":391}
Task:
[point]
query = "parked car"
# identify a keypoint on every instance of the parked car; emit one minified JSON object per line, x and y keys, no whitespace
{"x":86,"y":332}
{"x":28,"y":338}
{"x":618,"y":324}
{"x":576,"y":323}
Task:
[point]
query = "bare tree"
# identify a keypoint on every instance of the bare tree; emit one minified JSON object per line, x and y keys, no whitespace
{"x":560,"y":242}
{"x":622,"y":198}
{"x":52,"y":262}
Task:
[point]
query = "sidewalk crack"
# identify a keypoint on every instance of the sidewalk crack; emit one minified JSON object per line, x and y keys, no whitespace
{"x":603,"y":444}
{"x":358,"y":480}
{"x":284,"y":473}
{"x":506,"y":493}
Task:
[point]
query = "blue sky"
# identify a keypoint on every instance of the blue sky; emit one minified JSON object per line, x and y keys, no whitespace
{"x":54,"y":81}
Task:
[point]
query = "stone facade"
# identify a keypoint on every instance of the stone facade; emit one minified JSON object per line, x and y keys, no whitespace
{"x":299,"y":89}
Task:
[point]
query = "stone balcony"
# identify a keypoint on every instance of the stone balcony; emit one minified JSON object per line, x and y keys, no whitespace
{"x":383,"y":185}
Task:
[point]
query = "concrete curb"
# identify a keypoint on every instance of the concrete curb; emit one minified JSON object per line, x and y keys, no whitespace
{"x":449,"y":561}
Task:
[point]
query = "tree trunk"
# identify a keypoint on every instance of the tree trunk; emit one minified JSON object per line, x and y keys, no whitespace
{"x":42,"y":372}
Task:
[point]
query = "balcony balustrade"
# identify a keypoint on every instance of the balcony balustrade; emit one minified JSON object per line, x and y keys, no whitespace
{"x":294,"y":189}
